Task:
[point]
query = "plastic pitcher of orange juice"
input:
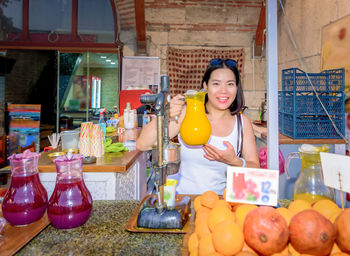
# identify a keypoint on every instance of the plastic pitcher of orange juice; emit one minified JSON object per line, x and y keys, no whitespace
{"x":310,"y":186}
{"x":195,"y":129}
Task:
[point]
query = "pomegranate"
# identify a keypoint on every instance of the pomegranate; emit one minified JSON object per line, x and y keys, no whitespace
{"x":312,"y":233}
{"x":265,"y":230}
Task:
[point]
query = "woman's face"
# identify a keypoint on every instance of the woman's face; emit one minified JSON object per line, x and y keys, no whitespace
{"x":222,"y":88}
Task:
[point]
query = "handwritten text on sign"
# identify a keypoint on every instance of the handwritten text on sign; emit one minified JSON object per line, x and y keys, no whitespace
{"x":252,"y":186}
{"x":336,"y":173}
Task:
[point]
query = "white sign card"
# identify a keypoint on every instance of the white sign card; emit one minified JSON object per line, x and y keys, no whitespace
{"x":252,"y":185}
{"x":335,"y":168}
{"x":140,"y":72}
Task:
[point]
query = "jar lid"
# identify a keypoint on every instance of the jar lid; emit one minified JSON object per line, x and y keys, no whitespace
{"x":70,"y":132}
{"x":27,"y":154}
{"x":308,"y":148}
{"x":194,"y":92}
{"x":69,"y":157}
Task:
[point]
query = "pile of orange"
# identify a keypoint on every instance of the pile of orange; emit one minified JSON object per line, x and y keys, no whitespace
{"x":220,"y":226}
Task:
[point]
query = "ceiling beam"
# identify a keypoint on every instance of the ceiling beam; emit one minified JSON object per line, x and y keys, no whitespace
{"x":140,"y":27}
{"x":260,"y":36}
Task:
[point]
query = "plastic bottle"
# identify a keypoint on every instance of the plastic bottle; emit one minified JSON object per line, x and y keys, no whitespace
{"x":134,"y":113}
{"x":129,"y":122}
{"x":102,"y":121}
{"x":144,"y":119}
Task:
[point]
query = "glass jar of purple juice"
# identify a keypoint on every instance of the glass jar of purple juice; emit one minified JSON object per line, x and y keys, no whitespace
{"x":70,"y":204}
{"x":26,"y":198}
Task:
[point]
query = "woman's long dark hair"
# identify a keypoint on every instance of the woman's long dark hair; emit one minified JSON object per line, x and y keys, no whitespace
{"x":238,"y":104}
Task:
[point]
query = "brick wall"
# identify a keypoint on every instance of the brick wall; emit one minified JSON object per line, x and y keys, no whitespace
{"x":307,"y":29}
{"x":194,"y":24}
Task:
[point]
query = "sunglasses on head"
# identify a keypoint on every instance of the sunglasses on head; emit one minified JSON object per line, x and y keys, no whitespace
{"x":228,"y":62}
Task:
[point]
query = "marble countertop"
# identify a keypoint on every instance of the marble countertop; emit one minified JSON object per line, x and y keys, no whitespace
{"x":104,"y":234}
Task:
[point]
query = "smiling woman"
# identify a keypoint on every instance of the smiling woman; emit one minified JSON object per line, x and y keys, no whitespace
{"x":231,"y":143}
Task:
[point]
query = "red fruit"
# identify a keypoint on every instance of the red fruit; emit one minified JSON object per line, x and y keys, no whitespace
{"x":265,"y":230}
{"x":342,"y":225}
{"x":311,"y":233}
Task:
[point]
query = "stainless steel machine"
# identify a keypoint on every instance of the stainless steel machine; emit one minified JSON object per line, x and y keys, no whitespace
{"x":154,"y":213}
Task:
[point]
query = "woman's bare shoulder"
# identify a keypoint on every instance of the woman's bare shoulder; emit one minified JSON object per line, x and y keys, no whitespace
{"x":246,"y":119}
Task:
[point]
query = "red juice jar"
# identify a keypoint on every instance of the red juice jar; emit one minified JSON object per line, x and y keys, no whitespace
{"x":26,"y":199}
{"x":70,"y":204}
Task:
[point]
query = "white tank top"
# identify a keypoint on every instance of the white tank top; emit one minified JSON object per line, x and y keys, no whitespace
{"x":198,"y":174}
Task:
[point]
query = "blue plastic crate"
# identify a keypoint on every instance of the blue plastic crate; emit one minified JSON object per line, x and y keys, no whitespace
{"x":306,"y":103}
{"x":295,"y":79}
{"x":310,"y":127}
{"x":301,"y":115}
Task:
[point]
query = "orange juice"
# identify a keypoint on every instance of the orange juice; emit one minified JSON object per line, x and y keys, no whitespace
{"x":311,"y":198}
{"x":195,"y":129}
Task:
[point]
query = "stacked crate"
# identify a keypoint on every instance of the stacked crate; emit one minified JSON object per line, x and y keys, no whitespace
{"x":301,"y":115}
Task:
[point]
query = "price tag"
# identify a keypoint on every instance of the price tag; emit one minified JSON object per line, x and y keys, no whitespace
{"x":252,"y":185}
{"x":336,"y":172}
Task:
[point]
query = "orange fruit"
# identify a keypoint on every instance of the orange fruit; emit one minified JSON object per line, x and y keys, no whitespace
{"x":234,"y":206}
{"x":228,"y":237}
{"x":246,"y":248}
{"x":193,"y":242}
{"x":222,"y":203}
{"x":224,"y":194}
{"x":209,"y":198}
{"x":205,"y":246}
{"x":219,"y":214}
{"x":287,"y":214}
{"x":194,"y":253}
{"x":202,"y":215}
{"x":335,"y":249}
{"x":245,"y":253}
{"x":197,"y":203}
{"x":292,"y":251}
{"x":242,"y":211}
{"x":334,"y":216}
{"x":215,"y":254}
{"x":298,"y":205}
{"x":340,"y":254}
{"x":202,"y":210}
{"x":326,"y":207}
{"x":201,"y":229}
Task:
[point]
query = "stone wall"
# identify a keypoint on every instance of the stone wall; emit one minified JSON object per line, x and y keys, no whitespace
{"x":306,"y":20}
{"x":205,"y":24}
{"x":218,"y":24}
{"x":193,"y":24}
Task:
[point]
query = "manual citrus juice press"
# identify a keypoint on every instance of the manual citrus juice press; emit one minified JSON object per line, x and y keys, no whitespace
{"x":309,"y":185}
{"x":154,"y":213}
